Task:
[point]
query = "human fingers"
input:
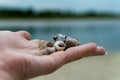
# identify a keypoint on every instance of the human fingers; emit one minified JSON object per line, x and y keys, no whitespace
{"x":24,"y":34}
{"x":61,"y":57}
{"x":49,"y":63}
{"x":41,"y":65}
{"x":78,"y":52}
{"x":99,"y":51}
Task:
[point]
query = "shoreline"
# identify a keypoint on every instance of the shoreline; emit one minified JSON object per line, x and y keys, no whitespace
{"x":89,"y":18}
{"x":51,"y":22}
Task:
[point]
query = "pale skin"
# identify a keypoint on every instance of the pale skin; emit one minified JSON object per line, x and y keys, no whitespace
{"x":19,"y":58}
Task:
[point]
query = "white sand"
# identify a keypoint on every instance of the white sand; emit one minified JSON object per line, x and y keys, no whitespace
{"x":94,"y":68}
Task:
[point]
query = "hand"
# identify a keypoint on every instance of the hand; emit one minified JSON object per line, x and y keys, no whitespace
{"x":19,"y":58}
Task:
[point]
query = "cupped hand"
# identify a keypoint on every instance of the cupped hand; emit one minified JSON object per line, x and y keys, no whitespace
{"x":20,"y":60}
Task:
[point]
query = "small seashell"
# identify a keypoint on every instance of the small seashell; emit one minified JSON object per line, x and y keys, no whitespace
{"x":48,"y":47}
{"x":44,"y":44}
{"x":71,"y":42}
{"x":59,"y":45}
{"x":49,"y":50}
{"x":60,"y":37}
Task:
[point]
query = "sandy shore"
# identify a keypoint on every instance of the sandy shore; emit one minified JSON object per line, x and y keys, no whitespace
{"x":94,"y":68}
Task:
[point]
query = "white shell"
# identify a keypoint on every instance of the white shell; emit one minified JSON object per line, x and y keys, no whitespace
{"x":59,"y":48}
{"x":49,"y":50}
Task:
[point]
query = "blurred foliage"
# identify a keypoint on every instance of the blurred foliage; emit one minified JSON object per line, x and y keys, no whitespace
{"x":29,"y":13}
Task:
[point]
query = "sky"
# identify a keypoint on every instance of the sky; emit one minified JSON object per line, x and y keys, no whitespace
{"x":72,"y":5}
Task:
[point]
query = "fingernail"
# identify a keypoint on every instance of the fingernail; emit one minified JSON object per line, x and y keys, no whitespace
{"x":103,"y":50}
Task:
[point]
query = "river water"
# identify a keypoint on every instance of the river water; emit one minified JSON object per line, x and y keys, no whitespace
{"x":103,"y":32}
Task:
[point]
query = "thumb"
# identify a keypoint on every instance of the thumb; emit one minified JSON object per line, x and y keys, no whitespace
{"x":24,"y":34}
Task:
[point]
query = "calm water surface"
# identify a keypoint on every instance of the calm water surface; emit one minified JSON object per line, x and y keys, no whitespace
{"x":105,"y":33}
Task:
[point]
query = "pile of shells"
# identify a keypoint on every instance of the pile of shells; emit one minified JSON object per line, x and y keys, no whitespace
{"x":61,"y":43}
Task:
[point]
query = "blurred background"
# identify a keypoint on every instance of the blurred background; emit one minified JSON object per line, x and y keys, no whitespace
{"x":89,"y":21}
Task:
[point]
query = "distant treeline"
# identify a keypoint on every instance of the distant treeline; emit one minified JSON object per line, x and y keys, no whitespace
{"x":29,"y":13}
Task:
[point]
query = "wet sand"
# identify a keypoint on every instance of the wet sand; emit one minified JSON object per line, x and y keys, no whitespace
{"x":93,"y":68}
